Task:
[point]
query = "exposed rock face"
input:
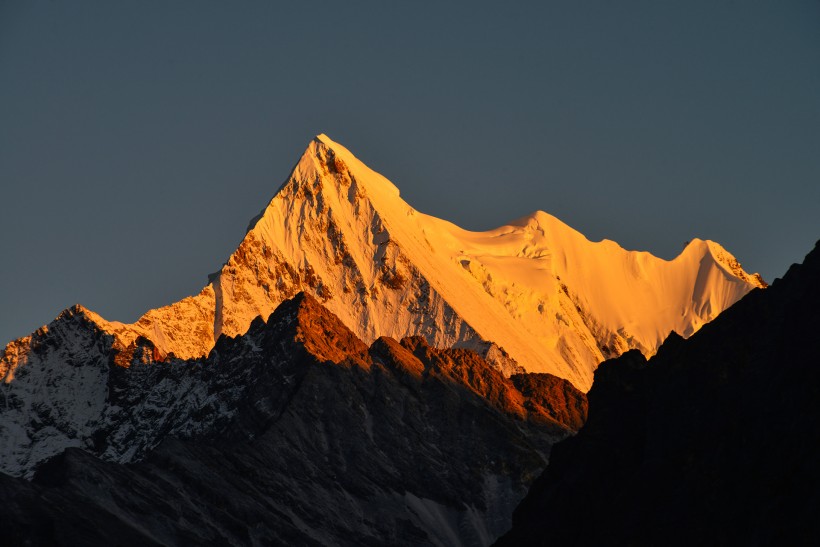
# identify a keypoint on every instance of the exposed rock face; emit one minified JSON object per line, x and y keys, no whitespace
{"x":534,"y":295}
{"x":715,"y":440}
{"x":295,"y":433}
{"x":552,"y":396}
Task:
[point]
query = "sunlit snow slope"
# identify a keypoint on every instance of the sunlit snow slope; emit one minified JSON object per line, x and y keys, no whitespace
{"x":535,"y":293}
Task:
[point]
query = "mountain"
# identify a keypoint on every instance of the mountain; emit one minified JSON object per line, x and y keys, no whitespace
{"x":715,"y":440}
{"x":534,"y":295}
{"x":293,"y":433}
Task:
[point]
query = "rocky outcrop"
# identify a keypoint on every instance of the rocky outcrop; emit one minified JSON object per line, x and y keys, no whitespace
{"x":294,"y":433}
{"x":714,"y":440}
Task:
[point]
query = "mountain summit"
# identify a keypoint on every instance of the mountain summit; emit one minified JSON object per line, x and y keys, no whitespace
{"x":534,"y":294}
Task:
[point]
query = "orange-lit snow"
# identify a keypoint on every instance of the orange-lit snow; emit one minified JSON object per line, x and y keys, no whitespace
{"x":551,"y":299}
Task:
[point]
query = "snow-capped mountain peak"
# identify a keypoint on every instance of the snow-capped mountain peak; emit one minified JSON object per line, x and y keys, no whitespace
{"x":534,"y":293}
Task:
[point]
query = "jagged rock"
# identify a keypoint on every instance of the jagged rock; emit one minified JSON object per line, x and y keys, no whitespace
{"x":294,"y":433}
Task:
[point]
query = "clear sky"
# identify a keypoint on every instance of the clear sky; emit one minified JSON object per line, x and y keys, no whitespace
{"x":138,"y":138}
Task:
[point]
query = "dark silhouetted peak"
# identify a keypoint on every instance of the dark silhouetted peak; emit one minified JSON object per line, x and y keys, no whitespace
{"x":633,"y":361}
{"x":812,"y":259}
{"x":810,"y":266}
{"x":713,"y":439}
{"x":672,"y":342}
{"x":215,"y":447}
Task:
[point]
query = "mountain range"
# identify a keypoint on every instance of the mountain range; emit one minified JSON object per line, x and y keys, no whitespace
{"x":356,"y":369}
{"x":534,"y":294}
{"x":295,"y":433}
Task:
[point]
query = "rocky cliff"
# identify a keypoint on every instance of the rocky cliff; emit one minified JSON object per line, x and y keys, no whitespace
{"x":296,"y":432}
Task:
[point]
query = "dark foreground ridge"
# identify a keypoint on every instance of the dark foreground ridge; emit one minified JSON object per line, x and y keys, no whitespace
{"x":716,"y":440}
{"x":295,"y":433}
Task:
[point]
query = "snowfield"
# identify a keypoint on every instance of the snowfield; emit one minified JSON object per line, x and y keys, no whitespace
{"x":535,"y":294}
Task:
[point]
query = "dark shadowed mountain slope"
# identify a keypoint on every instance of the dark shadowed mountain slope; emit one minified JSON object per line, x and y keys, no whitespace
{"x":303,"y":436}
{"x":716,"y":440}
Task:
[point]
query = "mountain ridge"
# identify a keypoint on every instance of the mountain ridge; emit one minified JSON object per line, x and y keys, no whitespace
{"x":532,"y":295}
{"x":294,"y":432}
{"x":714,"y":438}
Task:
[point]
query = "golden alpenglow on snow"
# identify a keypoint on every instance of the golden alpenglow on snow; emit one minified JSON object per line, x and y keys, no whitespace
{"x":534,"y":294}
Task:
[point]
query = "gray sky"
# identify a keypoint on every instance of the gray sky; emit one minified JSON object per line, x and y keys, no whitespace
{"x":137,"y":139}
